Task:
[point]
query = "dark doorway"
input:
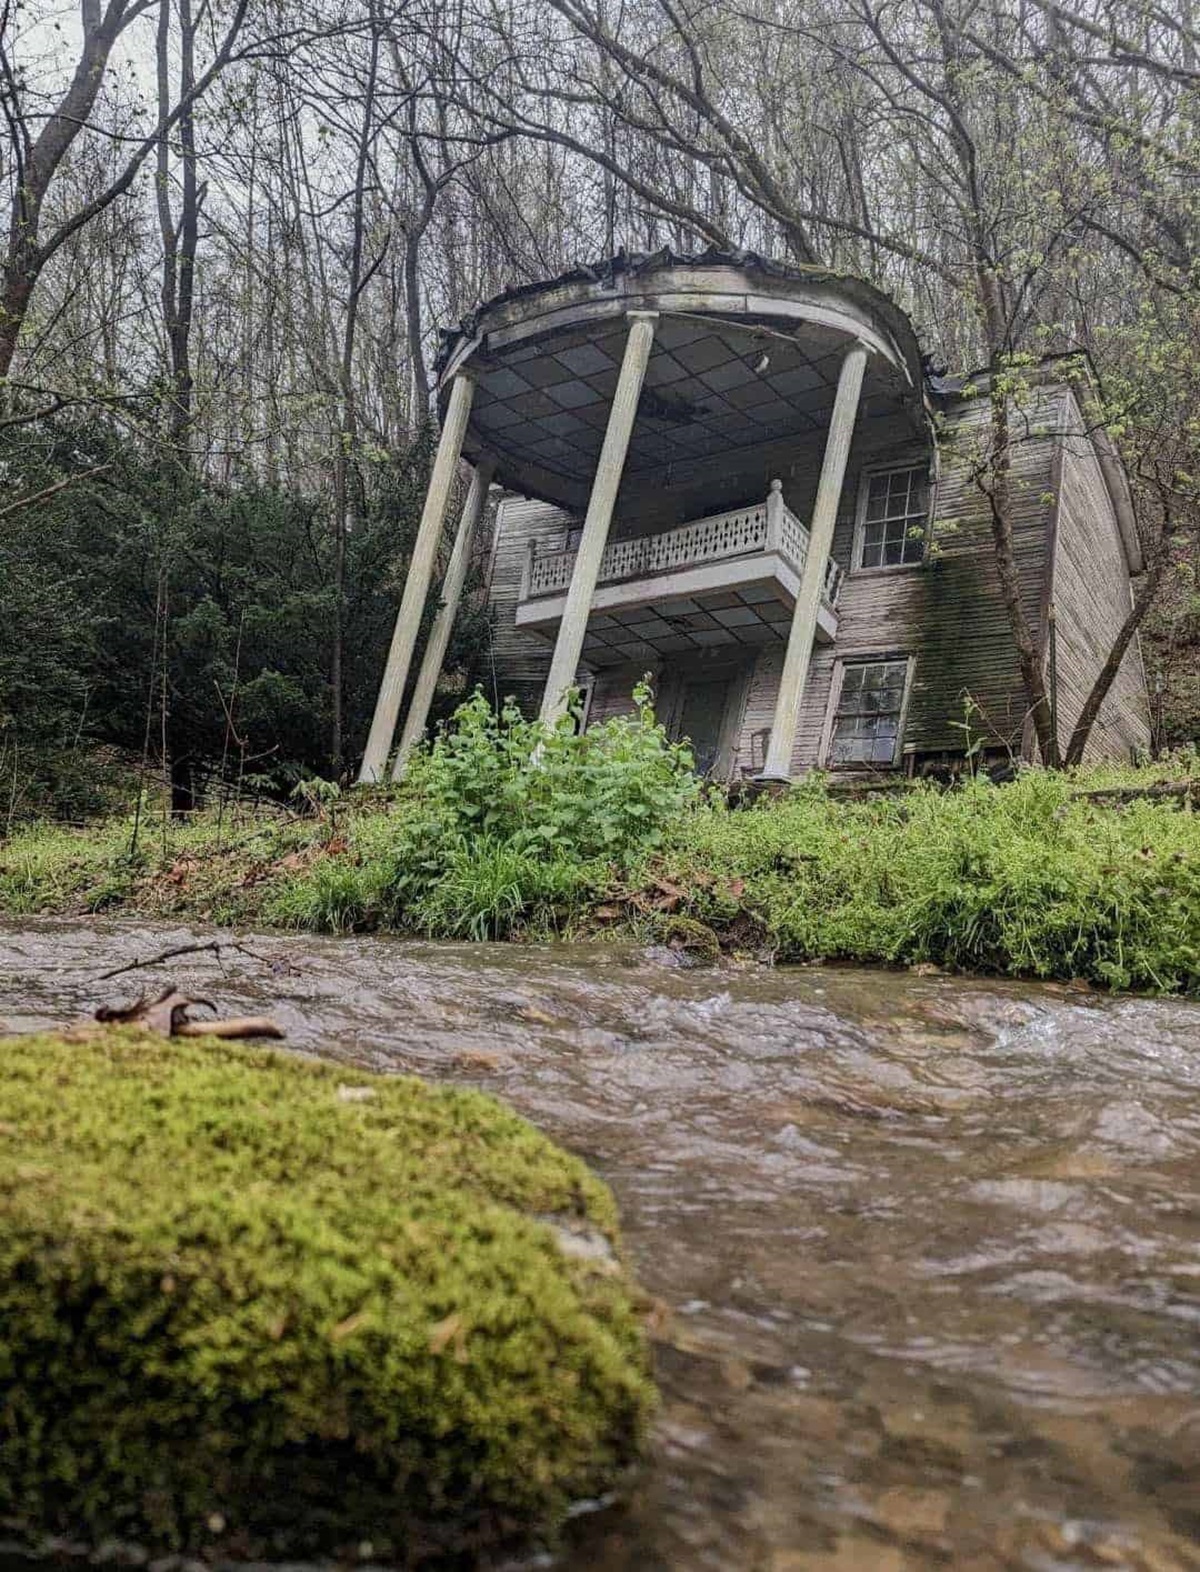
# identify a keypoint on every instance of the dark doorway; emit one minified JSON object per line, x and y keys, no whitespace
{"x":702,"y":710}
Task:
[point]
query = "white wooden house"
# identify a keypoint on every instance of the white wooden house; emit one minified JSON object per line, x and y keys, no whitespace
{"x":740,"y":478}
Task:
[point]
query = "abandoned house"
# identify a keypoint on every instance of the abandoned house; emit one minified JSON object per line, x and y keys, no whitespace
{"x":741,"y":478}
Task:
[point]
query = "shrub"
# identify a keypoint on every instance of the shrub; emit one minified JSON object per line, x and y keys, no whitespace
{"x":246,"y":1310}
{"x":608,"y":792}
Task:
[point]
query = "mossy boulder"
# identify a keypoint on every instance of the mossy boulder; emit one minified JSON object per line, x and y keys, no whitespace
{"x":253,"y":1305}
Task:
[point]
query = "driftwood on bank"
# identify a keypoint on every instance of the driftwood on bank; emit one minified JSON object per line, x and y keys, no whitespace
{"x":167,"y":1013}
{"x":232,"y":1026}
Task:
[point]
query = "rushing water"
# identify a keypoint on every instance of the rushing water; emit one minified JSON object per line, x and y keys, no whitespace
{"x":928,"y":1250}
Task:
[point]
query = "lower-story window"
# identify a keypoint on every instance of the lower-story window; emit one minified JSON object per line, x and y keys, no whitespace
{"x":869,"y":713}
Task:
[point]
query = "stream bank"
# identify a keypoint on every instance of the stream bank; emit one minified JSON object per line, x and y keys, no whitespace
{"x":1038,"y":877}
{"x":927,"y":1248}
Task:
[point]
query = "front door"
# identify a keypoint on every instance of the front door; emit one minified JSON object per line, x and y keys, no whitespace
{"x":701,"y":718}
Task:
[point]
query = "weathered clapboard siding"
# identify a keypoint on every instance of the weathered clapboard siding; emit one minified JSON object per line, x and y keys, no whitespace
{"x":1091,"y":592}
{"x":947,"y":612}
{"x":952,"y":606}
{"x":521,"y":659}
{"x":612,"y":693}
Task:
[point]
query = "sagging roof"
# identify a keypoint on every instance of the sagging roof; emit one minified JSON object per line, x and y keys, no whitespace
{"x":638,"y":264}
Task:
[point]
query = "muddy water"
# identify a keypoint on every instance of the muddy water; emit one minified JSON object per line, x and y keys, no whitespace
{"x":928,"y":1250}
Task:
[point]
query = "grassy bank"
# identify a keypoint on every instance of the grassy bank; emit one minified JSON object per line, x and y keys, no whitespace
{"x":248,"y":1309}
{"x":1038,"y":877}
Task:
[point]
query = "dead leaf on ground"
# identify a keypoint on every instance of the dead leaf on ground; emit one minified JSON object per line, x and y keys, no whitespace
{"x":452,"y":1330}
{"x":348,"y":1327}
{"x":665,"y":887}
{"x":480,"y":1059}
{"x":531,"y":1013}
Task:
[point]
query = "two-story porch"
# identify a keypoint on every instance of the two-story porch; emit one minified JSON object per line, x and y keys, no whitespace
{"x":690,"y":419}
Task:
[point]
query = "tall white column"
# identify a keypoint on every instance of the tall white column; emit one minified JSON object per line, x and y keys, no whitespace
{"x":443,"y":622}
{"x":416,"y":585}
{"x":569,"y":645}
{"x":812,"y":580}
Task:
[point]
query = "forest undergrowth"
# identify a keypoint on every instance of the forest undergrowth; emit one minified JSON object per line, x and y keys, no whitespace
{"x":501,"y":832}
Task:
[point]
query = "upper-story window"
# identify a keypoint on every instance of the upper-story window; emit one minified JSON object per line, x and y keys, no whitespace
{"x":893,"y":513}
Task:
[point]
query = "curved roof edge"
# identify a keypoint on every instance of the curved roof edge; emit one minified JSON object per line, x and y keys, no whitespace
{"x":634,"y":264}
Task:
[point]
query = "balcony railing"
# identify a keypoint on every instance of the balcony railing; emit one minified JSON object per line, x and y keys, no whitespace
{"x":764,"y":528}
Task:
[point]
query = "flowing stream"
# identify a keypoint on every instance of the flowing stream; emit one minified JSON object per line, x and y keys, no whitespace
{"x":927,"y":1249}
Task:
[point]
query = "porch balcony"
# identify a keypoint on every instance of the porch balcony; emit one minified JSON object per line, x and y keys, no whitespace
{"x":728,"y":579}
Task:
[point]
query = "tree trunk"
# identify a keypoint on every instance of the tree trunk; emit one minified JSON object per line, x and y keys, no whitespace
{"x":179,"y":236}
{"x":24,"y":259}
{"x":344,"y":503}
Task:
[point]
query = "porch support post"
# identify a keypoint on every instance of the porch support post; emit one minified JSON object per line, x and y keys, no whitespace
{"x":443,"y":622}
{"x":812,"y":580}
{"x":569,"y":646}
{"x":416,"y":585}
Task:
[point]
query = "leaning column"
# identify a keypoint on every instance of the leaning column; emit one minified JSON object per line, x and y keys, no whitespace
{"x":812,"y":579}
{"x":569,"y":646}
{"x":439,"y":634}
{"x":416,"y":585}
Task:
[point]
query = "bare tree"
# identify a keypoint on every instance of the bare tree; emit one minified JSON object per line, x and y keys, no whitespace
{"x":38,"y":158}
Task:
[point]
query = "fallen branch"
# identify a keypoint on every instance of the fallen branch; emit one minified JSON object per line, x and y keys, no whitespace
{"x":1162,"y":791}
{"x":234,"y":1026}
{"x":167,"y":1013}
{"x":215,"y":946}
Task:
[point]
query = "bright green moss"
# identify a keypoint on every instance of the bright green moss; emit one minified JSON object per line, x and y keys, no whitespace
{"x":261,"y":1305}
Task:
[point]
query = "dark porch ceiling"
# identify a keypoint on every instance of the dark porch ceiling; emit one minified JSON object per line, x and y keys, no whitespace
{"x":745,"y":357}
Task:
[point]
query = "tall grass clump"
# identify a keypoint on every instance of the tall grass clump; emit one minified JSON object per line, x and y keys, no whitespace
{"x":1029,"y":878}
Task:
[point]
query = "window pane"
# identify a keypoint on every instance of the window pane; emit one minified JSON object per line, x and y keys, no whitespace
{"x":866,"y":727}
{"x":843,"y":748}
{"x":894,"y":518}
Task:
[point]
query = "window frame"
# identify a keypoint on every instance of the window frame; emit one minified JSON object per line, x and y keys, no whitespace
{"x":867,"y":658}
{"x":869,"y":473}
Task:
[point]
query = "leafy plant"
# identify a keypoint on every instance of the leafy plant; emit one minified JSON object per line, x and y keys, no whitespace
{"x":608,"y":792}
